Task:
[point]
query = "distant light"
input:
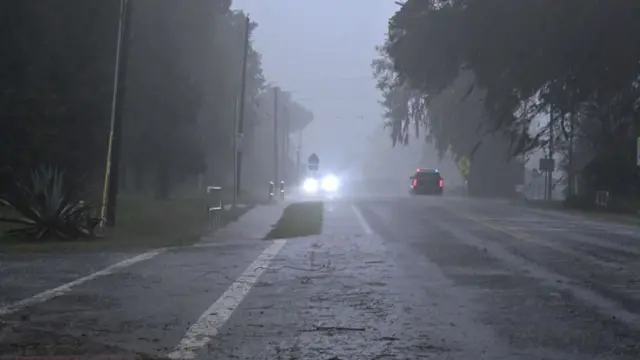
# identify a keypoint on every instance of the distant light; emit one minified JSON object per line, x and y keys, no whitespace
{"x":418,"y":169}
{"x":436,"y":170}
{"x":310,"y":185}
{"x":330,"y":183}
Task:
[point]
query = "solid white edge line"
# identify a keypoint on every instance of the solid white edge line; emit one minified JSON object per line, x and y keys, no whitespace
{"x":363,"y":222}
{"x":63,"y":289}
{"x":210,"y":322}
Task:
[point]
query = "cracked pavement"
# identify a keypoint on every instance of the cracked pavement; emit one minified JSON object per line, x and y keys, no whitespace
{"x":390,"y":277}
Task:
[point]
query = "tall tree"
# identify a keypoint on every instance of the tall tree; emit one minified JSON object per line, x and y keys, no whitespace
{"x":543,"y":54}
{"x":56,"y":68}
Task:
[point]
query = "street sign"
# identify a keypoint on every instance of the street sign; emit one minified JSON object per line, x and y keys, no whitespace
{"x":313,"y":162}
{"x":638,"y":151}
{"x":547,"y":165}
{"x":464,"y":165}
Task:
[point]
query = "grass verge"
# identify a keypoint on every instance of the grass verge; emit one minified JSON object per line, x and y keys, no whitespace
{"x":142,"y":224}
{"x":299,"y":220}
{"x":557,"y":205}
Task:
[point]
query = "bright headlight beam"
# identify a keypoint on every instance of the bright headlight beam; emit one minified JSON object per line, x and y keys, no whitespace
{"x":330,"y":183}
{"x":310,"y":185}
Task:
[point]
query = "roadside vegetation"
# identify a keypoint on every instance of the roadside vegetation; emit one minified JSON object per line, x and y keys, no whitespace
{"x":47,"y":216}
{"x":491,"y":81}
{"x":181,"y":83}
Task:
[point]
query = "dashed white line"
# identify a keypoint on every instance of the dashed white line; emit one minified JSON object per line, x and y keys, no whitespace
{"x":63,"y":289}
{"x":210,"y":322}
{"x":363,"y":222}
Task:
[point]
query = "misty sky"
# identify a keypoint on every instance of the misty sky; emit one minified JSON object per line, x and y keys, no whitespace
{"x":321,"y":51}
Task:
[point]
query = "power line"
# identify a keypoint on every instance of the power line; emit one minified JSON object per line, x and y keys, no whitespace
{"x":328,"y":82}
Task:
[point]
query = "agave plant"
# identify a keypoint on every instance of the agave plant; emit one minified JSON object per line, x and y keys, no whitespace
{"x":48,"y":208}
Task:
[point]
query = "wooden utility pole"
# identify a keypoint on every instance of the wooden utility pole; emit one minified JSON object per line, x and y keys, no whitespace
{"x":240,"y":106}
{"x":298,"y":150}
{"x":570,"y":172}
{"x":112,"y":171}
{"x":285,"y":158}
{"x":549,"y":181}
{"x":276,"y":153}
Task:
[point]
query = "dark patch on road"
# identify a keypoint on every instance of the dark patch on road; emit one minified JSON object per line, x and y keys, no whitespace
{"x":20,"y":342}
{"x":490,"y":281}
{"x":299,"y":220}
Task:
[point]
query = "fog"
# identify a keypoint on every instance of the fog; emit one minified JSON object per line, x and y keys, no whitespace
{"x":323,"y":57}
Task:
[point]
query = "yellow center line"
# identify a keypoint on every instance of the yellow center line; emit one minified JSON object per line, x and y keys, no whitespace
{"x":520,"y":235}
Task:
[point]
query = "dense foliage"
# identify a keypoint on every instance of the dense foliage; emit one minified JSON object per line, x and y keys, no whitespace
{"x":49,"y":206}
{"x":495,"y":65}
{"x":183,"y":81}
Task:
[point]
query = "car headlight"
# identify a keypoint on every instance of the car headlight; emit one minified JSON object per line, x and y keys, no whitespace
{"x":310,"y":185}
{"x":330,"y":183}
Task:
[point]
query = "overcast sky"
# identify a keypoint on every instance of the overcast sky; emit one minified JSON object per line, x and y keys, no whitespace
{"x":321,"y":51}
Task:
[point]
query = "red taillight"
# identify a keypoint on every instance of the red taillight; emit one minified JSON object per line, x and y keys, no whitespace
{"x":441,"y":183}
{"x":415,"y":182}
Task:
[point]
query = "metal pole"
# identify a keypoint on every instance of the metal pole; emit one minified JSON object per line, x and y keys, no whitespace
{"x":298,"y":150}
{"x":236,"y":154}
{"x":241,"y":106}
{"x":110,"y":188}
{"x":571,"y":182}
{"x":285,"y":145}
{"x":275,"y":135}
{"x":551,"y":153}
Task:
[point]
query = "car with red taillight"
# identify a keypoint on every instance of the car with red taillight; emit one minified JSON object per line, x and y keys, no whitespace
{"x":427,"y":182}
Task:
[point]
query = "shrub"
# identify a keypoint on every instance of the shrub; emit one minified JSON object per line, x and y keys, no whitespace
{"x":47,"y":207}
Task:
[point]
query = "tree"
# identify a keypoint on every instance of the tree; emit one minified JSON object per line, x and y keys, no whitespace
{"x":541,"y":55}
{"x":56,"y":82}
{"x":56,"y":75}
{"x":185,"y":79}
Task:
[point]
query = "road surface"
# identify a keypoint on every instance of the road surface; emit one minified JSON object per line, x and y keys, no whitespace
{"x":390,"y":277}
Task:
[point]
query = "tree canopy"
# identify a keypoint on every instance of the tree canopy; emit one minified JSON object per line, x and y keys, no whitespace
{"x":183,"y":81}
{"x":508,"y":61}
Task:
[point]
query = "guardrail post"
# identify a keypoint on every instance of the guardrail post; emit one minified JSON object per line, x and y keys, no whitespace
{"x":272,"y":190}
{"x":281,"y":190}
{"x":602,"y":199}
{"x":214,"y":206}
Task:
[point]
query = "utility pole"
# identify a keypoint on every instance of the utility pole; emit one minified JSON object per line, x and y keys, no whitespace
{"x":571,"y":175}
{"x":276,"y":153}
{"x":112,"y":173}
{"x":298,"y":150}
{"x":240,"y":107}
{"x":552,"y":119}
{"x":286,"y":162}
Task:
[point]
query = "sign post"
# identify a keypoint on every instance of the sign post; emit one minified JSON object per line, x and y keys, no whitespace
{"x":463,"y":166}
{"x":313,"y":162}
{"x":638,"y":151}
{"x":548,"y":166}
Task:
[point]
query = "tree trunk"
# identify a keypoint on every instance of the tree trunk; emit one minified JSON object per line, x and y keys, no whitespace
{"x":162,"y":185}
{"x":139,"y":177}
{"x":124,"y":177}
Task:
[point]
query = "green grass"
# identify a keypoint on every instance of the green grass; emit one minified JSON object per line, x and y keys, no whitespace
{"x":557,"y":205}
{"x":141,"y":224}
{"x":543,"y":204}
{"x":299,"y":220}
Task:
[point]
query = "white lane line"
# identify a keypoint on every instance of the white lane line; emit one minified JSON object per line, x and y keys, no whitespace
{"x":63,"y":289}
{"x":363,"y":222}
{"x":210,"y":322}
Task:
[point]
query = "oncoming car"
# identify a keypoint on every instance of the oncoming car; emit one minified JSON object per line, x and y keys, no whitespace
{"x":325,"y":185}
{"x":427,"y":182}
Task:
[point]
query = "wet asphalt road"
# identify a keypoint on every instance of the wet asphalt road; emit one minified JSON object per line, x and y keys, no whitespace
{"x":390,"y":277}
